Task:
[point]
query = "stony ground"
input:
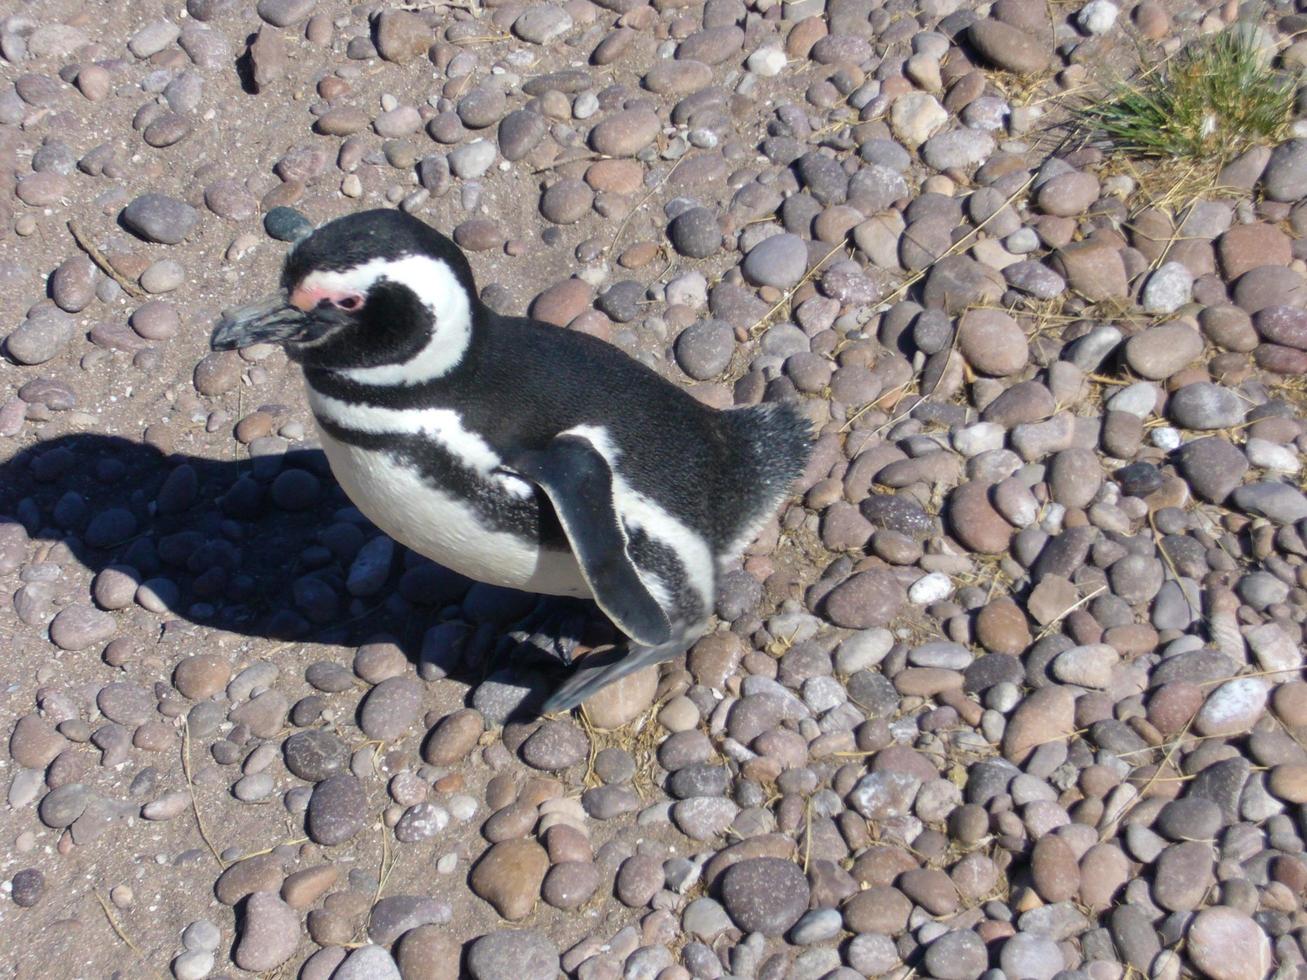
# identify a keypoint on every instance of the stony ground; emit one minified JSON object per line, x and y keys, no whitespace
{"x":1012,"y":689}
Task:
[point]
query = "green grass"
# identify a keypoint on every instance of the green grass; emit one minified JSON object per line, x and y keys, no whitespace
{"x":1211,"y":102}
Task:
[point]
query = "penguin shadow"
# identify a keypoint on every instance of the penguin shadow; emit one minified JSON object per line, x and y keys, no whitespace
{"x":270,"y":548}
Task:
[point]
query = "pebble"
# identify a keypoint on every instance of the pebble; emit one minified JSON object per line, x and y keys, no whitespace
{"x":513,"y":954}
{"x":1226,"y":944}
{"x":269,"y":935}
{"x":390,"y":708}
{"x":337,"y":810}
{"x":508,"y":876}
{"x":624,"y":134}
{"x":766,"y":895}
{"x":159,"y":218}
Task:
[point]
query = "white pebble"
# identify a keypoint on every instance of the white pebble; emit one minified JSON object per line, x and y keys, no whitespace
{"x":462,"y":806}
{"x":1165,"y":437}
{"x":979,"y":438}
{"x":447,"y":863}
{"x":767,"y":62}
{"x":1098,"y":16}
{"x":585,"y":105}
{"x":930,"y":588}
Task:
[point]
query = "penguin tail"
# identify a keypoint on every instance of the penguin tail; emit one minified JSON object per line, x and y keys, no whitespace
{"x":773,"y":443}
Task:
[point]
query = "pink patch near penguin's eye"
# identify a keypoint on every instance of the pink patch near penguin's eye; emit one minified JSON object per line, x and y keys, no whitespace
{"x":307,"y":298}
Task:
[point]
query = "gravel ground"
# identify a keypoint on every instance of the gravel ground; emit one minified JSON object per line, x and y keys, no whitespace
{"x":1012,"y":689}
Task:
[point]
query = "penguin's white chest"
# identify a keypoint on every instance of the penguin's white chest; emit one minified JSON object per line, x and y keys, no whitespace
{"x":437,"y":524}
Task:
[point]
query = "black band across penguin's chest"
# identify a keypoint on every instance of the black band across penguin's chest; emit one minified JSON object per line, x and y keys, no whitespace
{"x":530,"y":517}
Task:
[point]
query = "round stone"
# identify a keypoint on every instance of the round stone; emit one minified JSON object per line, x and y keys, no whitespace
{"x":766,"y":895}
{"x":778,"y":261}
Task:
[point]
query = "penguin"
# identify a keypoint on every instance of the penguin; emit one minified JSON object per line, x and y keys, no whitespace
{"x":516,"y":452}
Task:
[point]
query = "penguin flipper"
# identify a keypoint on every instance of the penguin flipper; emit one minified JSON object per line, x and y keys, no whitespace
{"x":579,"y":483}
{"x":597,"y":671}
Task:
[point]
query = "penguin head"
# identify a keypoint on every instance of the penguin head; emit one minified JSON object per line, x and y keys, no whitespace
{"x":378,"y":295}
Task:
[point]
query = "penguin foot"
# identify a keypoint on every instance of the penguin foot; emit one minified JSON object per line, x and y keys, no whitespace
{"x":553,"y":631}
{"x":597,"y":671}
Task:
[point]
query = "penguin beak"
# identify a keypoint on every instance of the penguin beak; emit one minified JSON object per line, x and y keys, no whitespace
{"x":269,"y":321}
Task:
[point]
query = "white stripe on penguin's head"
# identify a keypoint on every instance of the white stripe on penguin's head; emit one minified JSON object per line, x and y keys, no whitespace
{"x":436,"y":287}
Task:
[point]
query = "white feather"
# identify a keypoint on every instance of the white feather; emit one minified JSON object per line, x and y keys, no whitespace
{"x":445,"y":529}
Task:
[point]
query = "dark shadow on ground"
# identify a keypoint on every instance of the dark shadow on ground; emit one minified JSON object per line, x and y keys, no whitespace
{"x":268,"y":547}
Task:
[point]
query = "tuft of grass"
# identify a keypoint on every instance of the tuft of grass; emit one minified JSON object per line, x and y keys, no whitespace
{"x":1212,"y":101}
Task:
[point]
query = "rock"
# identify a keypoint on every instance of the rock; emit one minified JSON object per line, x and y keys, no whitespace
{"x":158,"y":218}
{"x":367,"y":963}
{"x":868,"y":599}
{"x":1160,"y":351}
{"x":391,"y":707}
{"x":1285,"y":177}
{"x":1212,"y":467}
{"x":765,"y":895}
{"x":395,"y":915}
{"x":624,"y":134}
{"x":975,"y":521}
{"x":1009,"y":48}
{"x":1167,"y":289}
{"x":1226,"y":944}
{"x":337,"y":810}
{"x":523,"y":954}
{"x":915,"y":117}
{"x":992,"y":342}
{"x":269,"y":936}
{"x":956,"y":955}
{"x":1095,"y":269}
{"x":621,"y":702}
{"x":1233,"y":707}
{"x":401,"y":35}
{"x":1046,"y":715}
{"x":78,"y":627}
{"x":1205,"y":405}
{"x":508,"y":876}
{"x":40,"y":337}
{"x":556,"y":745}
{"x":1278,"y":502}
{"x":778,"y":261}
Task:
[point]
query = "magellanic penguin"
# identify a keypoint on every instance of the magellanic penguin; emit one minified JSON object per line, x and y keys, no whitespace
{"x":515,"y":452}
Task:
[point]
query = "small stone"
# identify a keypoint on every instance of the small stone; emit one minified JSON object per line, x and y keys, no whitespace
{"x":391,"y":707}
{"x":1168,"y":289}
{"x":1204,"y":406}
{"x":778,"y":261}
{"x":1233,"y":707}
{"x":556,"y":745}
{"x":508,"y":876}
{"x":1009,"y":47}
{"x":158,"y":218}
{"x":269,"y":935}
{"x":337,"y":810}
{"x":868,"y":599}
{"x":992,"y":342}
{"x":624,"y":134}
{"x":401,"y":35}
{"x":525,"y":954}
{"x":766,"y":895}
{"x":26,"y":887}
{"x":1226,"y":944}
{"x":395,"y":915}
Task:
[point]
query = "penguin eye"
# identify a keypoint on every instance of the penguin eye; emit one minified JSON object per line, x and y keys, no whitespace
{"x":350,"y":302}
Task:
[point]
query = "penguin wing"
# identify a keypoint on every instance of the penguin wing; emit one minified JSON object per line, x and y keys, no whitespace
{"x":579,"y":483}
